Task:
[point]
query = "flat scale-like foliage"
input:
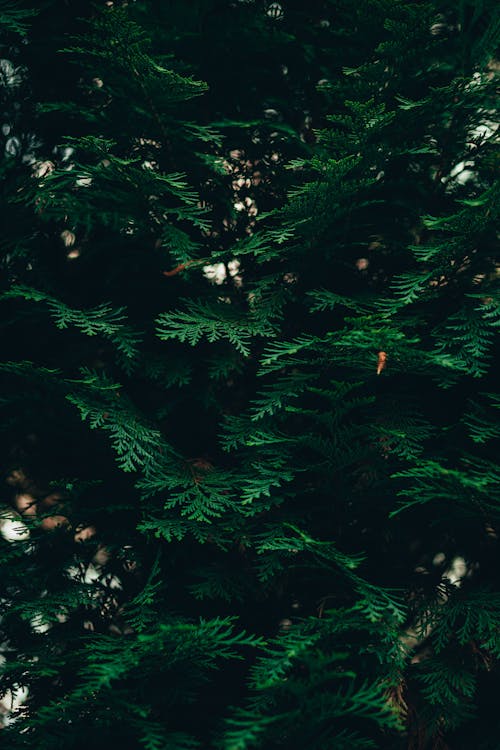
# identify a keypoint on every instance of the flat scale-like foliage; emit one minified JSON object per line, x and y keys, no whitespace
{"x":249,"y":409}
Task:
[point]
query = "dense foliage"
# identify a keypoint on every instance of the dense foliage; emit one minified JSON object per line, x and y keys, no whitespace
{"x":249,"y":400}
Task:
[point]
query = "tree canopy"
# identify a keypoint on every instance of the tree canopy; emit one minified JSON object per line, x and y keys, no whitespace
{"x":249,"y":406}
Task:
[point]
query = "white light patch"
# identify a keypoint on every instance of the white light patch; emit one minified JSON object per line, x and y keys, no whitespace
{"x":456,"y":572}
{"x":39,"y":624}
{"x":215,"y":272}
{"x":84,"y":181}
{"x":10,"y":702}
{"x":12,"y":528}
